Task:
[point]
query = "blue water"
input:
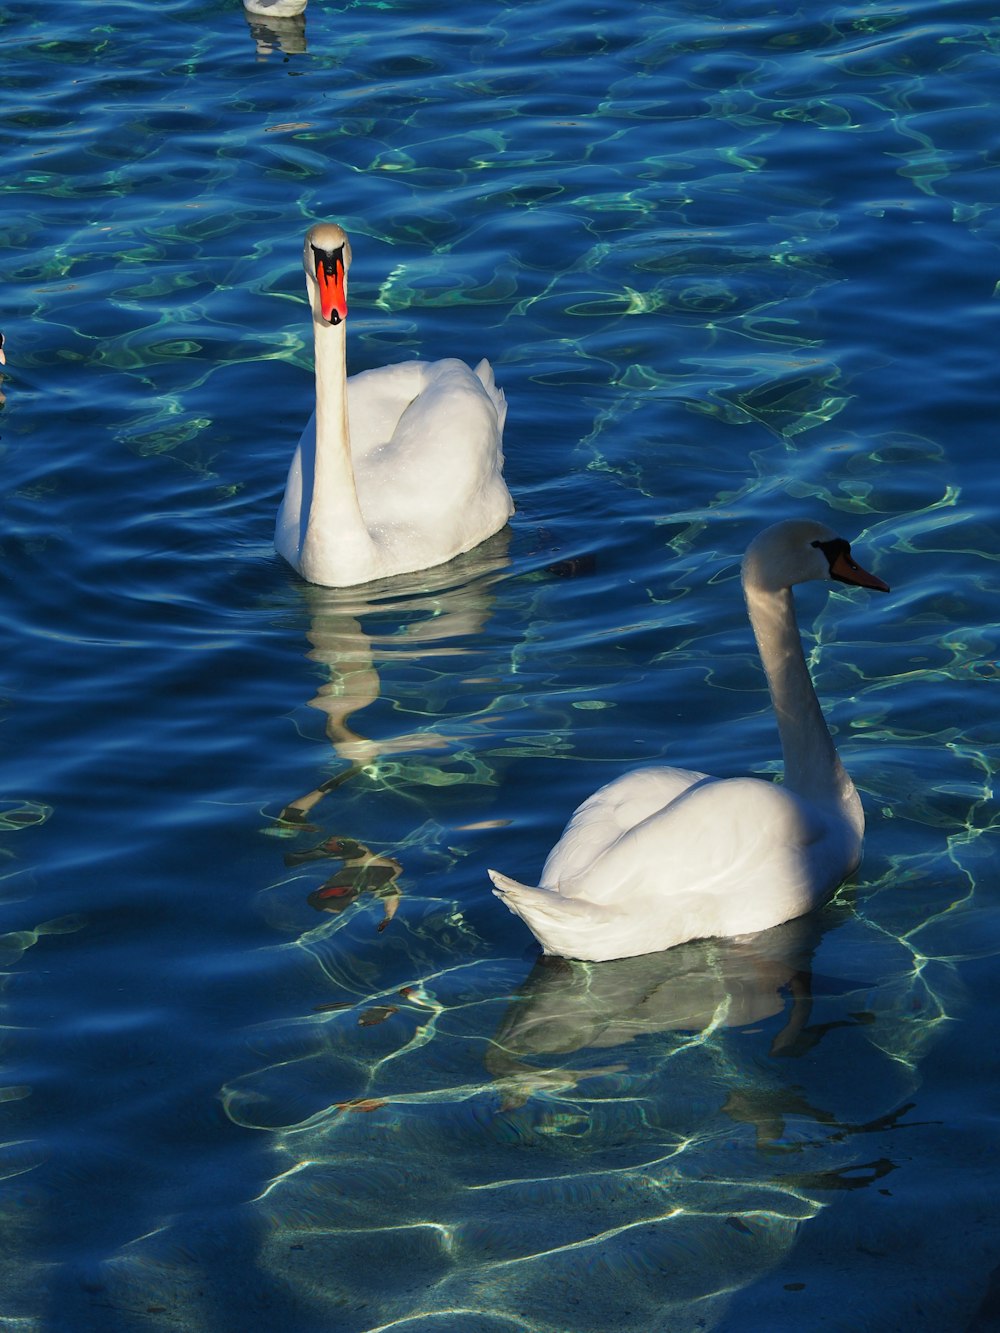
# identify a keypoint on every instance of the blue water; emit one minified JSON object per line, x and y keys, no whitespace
{"x":731,"y":262}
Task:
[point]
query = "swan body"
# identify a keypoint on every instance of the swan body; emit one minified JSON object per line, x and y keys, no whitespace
{"x":277,"y":9}
{"x":664,"y":855}
{"x":401,"y":467}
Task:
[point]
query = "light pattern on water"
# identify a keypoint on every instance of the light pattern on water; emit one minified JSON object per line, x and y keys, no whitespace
{"x":275,"y":1056}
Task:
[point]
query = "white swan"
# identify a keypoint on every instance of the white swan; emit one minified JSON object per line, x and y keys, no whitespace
{"x":663,"y":855}
{"x":280,"y":9}
{"x":414,"y":479}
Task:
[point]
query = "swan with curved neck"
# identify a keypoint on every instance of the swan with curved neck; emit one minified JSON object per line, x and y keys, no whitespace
{"x":401,"y":467}
{"x":664,"y":855}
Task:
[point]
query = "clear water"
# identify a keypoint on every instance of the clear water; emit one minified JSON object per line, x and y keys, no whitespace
{"x":731,"y":262}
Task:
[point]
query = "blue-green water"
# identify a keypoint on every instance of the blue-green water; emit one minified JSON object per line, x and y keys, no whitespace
{"x":731,"y":262}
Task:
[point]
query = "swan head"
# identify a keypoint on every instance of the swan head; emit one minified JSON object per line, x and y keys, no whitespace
{"x":798,"y":551}
{"x":326,"y":257}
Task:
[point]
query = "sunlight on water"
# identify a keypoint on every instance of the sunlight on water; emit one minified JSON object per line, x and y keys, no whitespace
{"x":274,"y":1054}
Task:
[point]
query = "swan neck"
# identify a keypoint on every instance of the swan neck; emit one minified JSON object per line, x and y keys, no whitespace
{"x":812,"y":765}
{"x":336,"y":537}
{"x":334,"y":469}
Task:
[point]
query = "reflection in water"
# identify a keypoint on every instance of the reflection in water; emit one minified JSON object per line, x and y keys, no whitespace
{"x":352,"y":632}
{"x":363,"y":871}
{"x":684,"y":1112}
{"x":699,"y":988}
{"x":567,"y":1006}
{"x":277,"y":25}
{"x":427,"y":613}
{"x":675,"y":286}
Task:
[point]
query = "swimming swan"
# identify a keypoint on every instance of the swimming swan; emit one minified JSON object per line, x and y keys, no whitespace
{"x":663,"y":855}
{"x":415,"y":479}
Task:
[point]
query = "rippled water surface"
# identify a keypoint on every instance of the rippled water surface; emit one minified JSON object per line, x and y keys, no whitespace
{"x":732,"y":262}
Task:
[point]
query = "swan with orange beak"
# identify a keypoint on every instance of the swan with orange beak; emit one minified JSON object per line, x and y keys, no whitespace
{"x":400,"y":467}
{"x":663,"y":855}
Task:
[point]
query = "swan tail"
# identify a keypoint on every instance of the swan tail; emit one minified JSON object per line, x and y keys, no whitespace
{"x":484,"y":373}
{"x":563,"y":926}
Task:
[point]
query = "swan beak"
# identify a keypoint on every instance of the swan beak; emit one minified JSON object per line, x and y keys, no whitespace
{"x":844,"y":568}
{"x":331,"y":279}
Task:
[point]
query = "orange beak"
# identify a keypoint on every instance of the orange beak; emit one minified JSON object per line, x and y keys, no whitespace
{"x":331,"y":279}
{"x":844,"y":568}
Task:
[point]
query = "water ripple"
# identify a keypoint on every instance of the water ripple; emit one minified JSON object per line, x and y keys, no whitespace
{"x":264,"y":1016}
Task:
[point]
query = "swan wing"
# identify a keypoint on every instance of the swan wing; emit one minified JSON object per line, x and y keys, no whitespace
{"x":563,"y":926}
{"x":376,"y":400}
{"x":484,"y":373}
{"x":601,"y":820}
{"x":423,"y":406}
{"x":728,"y":857}
{"x":427,"y":456}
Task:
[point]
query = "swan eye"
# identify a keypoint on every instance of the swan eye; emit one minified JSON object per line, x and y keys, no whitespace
{"x":837,"y":551}
{"x":331,"y":261}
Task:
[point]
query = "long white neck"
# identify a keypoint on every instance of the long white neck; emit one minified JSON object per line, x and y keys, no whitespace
{"x":812,"y":765}
{"x":336,"y":541}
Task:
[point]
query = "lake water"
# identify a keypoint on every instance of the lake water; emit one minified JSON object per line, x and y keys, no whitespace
{"x":732,"y":261}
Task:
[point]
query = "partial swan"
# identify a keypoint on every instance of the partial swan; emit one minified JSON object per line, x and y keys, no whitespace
{"x":401,"y":467}
{"x":664,"y":855}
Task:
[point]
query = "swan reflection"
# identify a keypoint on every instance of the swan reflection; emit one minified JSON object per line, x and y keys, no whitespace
{"x":363,"y":871}
{"x":277,"y":25}
{"x":419,"y":616}
{"x":692,"y":990}
{"x":566,"y":1006}
{"x":352,"y":632}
